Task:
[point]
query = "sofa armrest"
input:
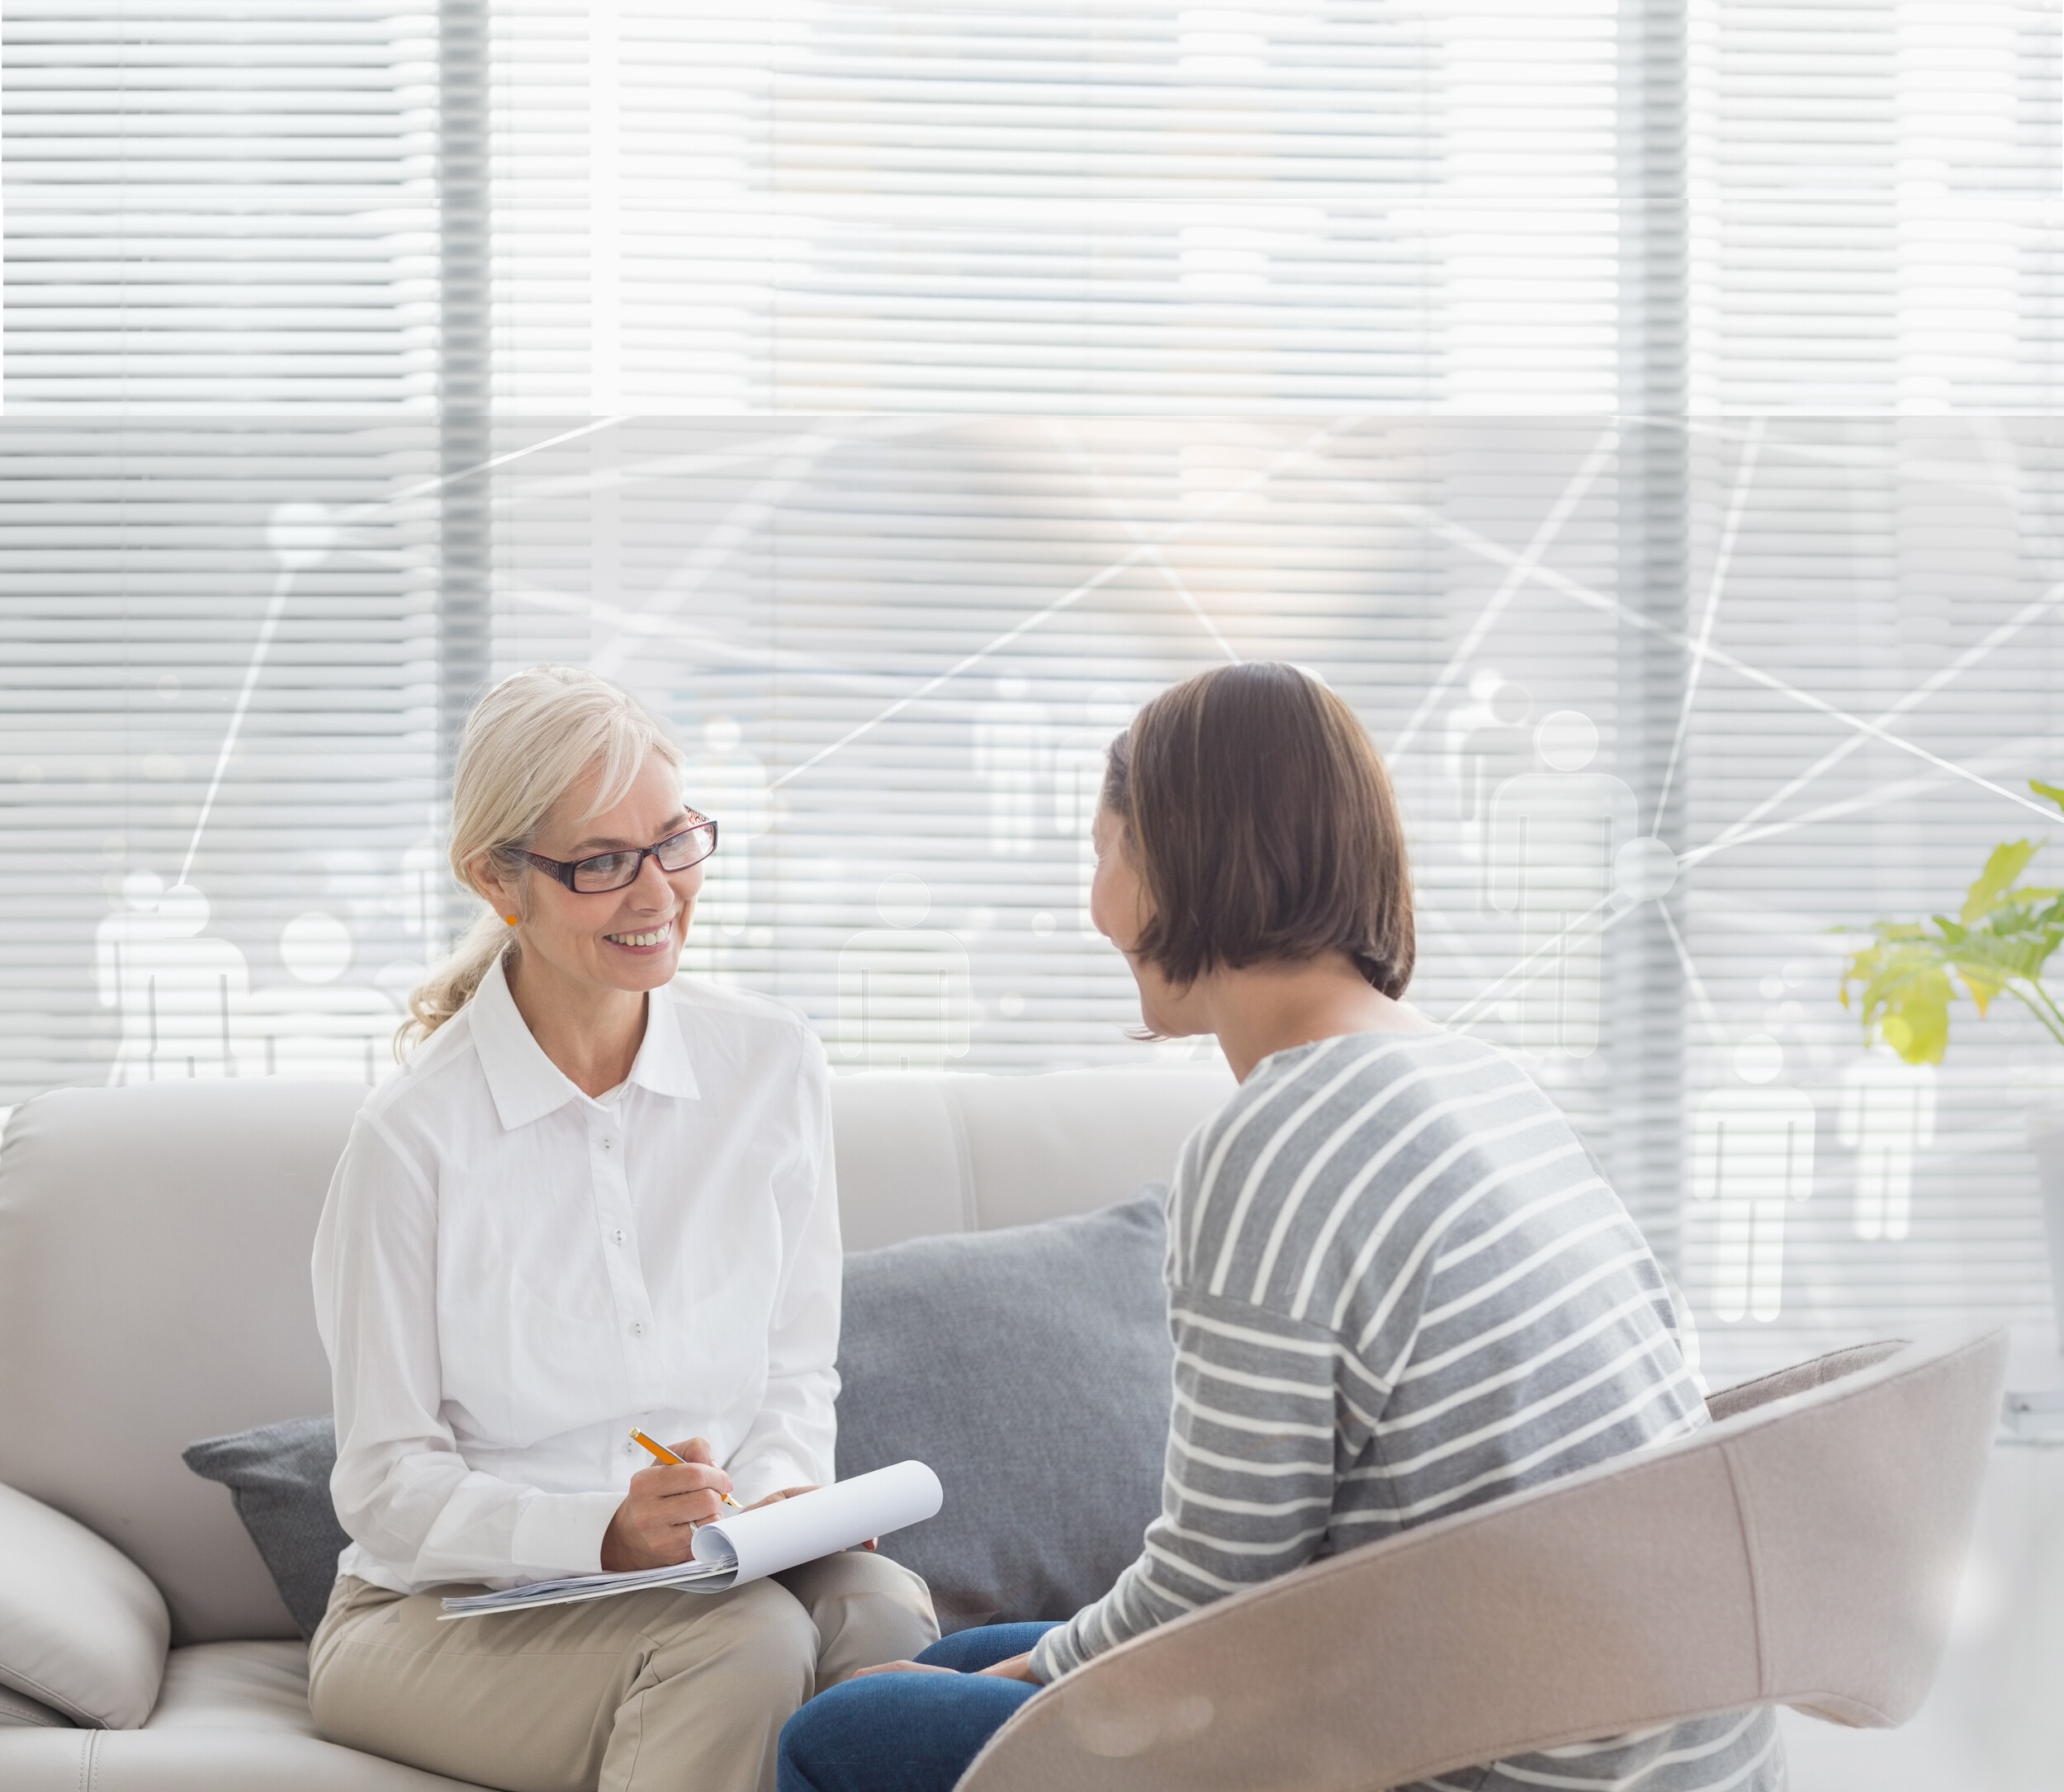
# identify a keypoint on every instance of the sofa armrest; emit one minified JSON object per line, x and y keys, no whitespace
{"x":82,"y":1630}
{"x":20,"y":1712}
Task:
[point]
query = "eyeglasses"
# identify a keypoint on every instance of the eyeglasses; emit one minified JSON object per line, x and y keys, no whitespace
{"x":617,"y":870}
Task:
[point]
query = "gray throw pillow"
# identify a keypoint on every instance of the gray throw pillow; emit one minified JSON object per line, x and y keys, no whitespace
{"x":279,"y":1476}
{"x":1032,"y":1369}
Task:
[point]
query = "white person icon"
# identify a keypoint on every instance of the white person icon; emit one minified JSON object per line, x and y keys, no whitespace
{"x":904,"y":992}
{"x":729,"y":785}
{"x":423,"y":875}
{"x":316,"y":1027}
{"x":1752,"y":1156}
{"x":182,"y":997}
{"x":1553,"y":838}
{"x":1013,"y":746}
{"x":1487,"y":744}
{"x":1078,"y":785}
{"x":121,"y":976}
{"x":1888,"y":1117}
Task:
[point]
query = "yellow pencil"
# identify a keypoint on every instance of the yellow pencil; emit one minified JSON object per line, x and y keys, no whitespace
{"x":666,"y":1455}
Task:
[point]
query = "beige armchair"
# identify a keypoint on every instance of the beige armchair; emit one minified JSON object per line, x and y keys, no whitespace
{"x":1804,"y":1550}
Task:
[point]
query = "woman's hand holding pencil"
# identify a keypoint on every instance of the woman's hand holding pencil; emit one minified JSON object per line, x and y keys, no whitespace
{"x":660,"y":1453}
{"x":655,"y":1526}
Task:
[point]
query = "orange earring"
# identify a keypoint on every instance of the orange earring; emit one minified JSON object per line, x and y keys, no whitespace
{"x":510,"y":919}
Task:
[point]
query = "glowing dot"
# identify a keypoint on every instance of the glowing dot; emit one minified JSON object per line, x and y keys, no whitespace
{"x":1043,"y":924}
{"x":1643,"y":869}
{"x":315,"y":946}
{"x":300,"y":535}
{"x":1011,"y":1004}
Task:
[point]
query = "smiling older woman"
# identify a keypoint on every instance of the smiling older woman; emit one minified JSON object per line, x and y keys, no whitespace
{"x":595,"y":1199}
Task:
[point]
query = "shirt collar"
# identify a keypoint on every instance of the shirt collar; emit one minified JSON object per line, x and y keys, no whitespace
{"x":527,"y":1084}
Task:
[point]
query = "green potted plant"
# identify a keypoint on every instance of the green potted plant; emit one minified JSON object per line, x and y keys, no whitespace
{"x":1999,"y":943}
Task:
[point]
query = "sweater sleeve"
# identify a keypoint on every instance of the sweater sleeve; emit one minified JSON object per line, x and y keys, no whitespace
{"x":1248,"y":1491}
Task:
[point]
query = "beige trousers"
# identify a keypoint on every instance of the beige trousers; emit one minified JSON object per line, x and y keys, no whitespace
{"x":645,"y":1692}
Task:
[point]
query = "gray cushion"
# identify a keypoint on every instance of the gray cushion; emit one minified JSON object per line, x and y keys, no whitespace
{"x":1032,"y":1369}
{"x":278,"y":1475}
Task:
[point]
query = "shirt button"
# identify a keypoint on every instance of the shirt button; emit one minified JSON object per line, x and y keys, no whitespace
{"x":629,"y":1449}
{"x":637,"y":1328}
{"x":617,"y":1235}
{"x":607,"y":1143}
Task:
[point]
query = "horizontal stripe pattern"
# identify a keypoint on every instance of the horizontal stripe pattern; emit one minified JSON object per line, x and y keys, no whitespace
{"x":1399,"y":1287}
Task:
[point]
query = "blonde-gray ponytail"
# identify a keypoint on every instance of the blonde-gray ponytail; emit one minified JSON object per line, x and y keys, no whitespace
{"x":528,"y":741}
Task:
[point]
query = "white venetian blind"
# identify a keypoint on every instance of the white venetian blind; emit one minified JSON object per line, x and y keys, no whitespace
{"x":219,"y":625}
{"x":987,"y":207}
{"x":1631,"y":409}
{"x":894,"y":671}
{"x":1875,"y":205}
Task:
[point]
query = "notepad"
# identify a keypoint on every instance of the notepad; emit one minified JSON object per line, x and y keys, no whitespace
{"x":749,"y":1545}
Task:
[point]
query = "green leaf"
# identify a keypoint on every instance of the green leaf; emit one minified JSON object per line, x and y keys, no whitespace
{"x":2051,"y":790}
{"x":2003,"y":939}
{"x":2000,"y":960}
{"x":1906,"y":995}
{"x":1915,"y":1017}
{"x":2007,"y":863}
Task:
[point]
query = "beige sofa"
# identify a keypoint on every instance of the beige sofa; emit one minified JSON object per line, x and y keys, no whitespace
{"x":153,"y":1289}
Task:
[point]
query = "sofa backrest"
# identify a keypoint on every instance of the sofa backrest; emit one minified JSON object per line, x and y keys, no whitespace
{"x":922,"y":1155}
{"x":155,"y":1244}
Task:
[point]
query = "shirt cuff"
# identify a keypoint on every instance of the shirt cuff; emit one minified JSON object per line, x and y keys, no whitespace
{"x":1041,"y":1664}
{"x":561,"y":1533}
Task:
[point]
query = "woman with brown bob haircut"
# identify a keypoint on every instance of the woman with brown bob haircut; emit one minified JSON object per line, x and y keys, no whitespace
{"x":1398,"y":1285}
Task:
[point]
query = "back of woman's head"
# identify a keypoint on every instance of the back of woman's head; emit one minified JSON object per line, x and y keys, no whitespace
{"x":530,"y":743}
{"x":1264,"y":827}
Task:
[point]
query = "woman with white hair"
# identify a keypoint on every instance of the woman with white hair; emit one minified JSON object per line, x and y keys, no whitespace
{"x":595,"y":1199}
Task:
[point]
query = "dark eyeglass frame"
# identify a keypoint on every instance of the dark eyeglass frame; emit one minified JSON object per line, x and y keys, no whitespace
{"x":566,"y":871}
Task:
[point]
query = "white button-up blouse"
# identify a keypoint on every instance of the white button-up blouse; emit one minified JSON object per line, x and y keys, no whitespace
{"x":510,"y":1276}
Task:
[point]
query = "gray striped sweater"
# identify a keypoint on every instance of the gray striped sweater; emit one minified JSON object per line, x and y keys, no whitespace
{"x":1398,"y":1289}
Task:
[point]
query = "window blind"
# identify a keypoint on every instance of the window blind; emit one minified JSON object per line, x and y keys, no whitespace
{"x":894,"y":683}
{"x":1635,"y":410}
{"x":218,"y":691}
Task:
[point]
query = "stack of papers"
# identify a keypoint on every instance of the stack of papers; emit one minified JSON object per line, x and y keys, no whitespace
{"x":749,"y":1546}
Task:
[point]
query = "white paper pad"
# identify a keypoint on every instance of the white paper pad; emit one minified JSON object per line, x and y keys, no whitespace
{"x":749,"y":1546}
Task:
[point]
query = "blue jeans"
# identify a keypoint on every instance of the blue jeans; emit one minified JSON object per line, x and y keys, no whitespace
{"x":908,"y":1732}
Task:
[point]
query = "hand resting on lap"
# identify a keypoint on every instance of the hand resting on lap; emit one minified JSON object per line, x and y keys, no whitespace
{"x":1017,"y":1667}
